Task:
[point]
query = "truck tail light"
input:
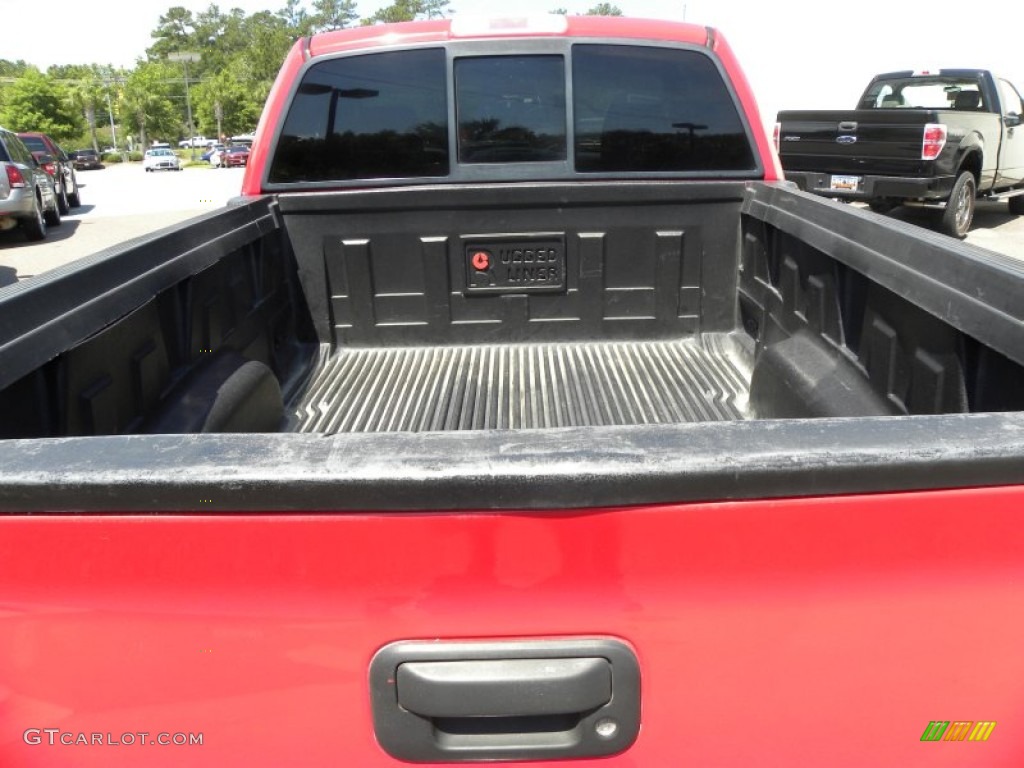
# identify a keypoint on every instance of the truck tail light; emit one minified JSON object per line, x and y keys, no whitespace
{"x":776,"y":132}
{"x":934,"y":140}
{"x":14,"y":177}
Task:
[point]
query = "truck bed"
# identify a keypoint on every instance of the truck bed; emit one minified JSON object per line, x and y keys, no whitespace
{"x":353,"y":312}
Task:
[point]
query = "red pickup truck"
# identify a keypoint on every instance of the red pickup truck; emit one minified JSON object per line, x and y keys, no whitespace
{"x":518,"y":412}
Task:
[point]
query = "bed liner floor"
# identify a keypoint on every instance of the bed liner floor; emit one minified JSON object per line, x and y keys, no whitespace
{"x":523,"y":386}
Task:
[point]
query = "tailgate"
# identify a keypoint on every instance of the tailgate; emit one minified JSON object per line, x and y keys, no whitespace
{"x":884,"y":142}
{"x":814,"y":632}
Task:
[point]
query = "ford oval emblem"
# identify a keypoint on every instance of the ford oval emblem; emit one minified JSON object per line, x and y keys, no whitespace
{"x":846,"y":140}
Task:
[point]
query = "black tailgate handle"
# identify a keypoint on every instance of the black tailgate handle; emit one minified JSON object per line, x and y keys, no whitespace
{"x":508,"y":700}
{"x":848,"y":125}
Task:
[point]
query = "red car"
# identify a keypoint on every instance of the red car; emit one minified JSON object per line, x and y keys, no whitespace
{"x":61,"y":170}
{"x":230,"y":156}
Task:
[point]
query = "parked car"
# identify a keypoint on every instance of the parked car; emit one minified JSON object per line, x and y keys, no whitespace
{"x":60,"y":168}
{"x":27,"y":195}
{"x":83,"y":159}
{"x":196,"y":141}
{"x":160,"y":158}
{"x":209,"y":153}
{"x":229,"y":157}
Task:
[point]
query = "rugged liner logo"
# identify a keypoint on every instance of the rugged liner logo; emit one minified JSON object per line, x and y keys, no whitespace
{"x":959,"y":730}
{"x":515,"y":266}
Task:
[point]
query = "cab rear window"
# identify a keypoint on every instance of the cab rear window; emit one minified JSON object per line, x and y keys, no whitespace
{"x":381,"y":115}
{"x":510,"y":108}
{"x":564,"y":110}
{"x":642,"y":108}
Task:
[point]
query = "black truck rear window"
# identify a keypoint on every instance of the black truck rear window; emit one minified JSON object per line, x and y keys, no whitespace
{"x":634,"y":109}
{"x":380,"y":115}
{"x":642,"y":108}
{"x":510,"y":108}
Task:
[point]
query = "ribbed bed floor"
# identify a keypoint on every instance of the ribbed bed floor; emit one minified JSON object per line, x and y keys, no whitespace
{"x":523,"y":386}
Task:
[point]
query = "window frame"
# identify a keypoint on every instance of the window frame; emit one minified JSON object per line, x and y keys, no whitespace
{"x":540,"y":171}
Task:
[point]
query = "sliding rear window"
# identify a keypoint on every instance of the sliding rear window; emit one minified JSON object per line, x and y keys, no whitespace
{"x":642,"y":108}
{"x":381,"y":115}
{"x":510,"y":108}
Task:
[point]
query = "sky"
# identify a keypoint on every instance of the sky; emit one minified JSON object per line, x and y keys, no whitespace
{"x":797,"y":54}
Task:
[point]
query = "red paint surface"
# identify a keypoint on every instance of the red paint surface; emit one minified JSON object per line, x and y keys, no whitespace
{"x":816,"y":632}
{"x":439,"y":31}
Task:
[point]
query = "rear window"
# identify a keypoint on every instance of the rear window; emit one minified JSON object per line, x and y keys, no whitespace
{"x":925,"y":92}
{"x":510,"y":108}
{"x":378,"y":115}
{"x":654,"y":109}
{"x":560,"y":111}
{"x":35,"y":143}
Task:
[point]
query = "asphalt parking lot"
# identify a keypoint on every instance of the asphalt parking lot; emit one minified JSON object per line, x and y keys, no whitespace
{"x":119,"y":202}
{"x":122,"y":202}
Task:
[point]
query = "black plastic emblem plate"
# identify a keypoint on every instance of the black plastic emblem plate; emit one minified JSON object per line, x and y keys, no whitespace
{"x":521,"y":265}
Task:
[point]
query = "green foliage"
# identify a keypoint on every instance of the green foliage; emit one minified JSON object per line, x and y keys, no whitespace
{"x":148,"y":101}
{"x":35,"y":102}
{"x":409,"y":10}
{"x":333,"y":14}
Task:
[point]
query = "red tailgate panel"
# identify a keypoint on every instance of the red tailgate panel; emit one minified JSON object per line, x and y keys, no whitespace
{"x":814,"y":632}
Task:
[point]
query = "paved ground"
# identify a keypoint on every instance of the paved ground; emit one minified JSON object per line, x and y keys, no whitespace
{"x":122,"y":201}
{"x":118,"y":203}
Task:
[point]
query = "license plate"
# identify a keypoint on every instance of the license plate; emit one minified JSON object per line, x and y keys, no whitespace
{"x":516,"y":265}
{"x":845,"y":184}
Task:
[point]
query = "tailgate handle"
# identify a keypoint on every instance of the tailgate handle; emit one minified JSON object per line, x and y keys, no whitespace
{"x":848,"y":125}
{"x":505,"y":700}
{"x":504,"y":688}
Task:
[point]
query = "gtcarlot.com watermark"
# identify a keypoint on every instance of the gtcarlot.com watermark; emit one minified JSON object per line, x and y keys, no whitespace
{"x":55,"y":737}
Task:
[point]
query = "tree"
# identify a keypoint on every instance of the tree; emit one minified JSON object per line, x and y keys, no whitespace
{"x":295,"y":17}
{"x":333,"y":14}
{"x":436,"y":9}
{"x":84,"y":85}
{"x":173,"y":33}
{"x":148,"y":102}
{"x":408,"y":10}
{"x":400,"y":10}
{"x":605,"y":9}
{"x":35,"y":102}
{"x":239,"y":104}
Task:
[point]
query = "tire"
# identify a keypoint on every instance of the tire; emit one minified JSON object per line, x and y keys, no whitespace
{"x":75,"y":198}
{"x":53,"y":215}
{"x":956,"y":219}
{"x":35,"y":228}
{"x":1016,"y":205}
{"x":62,"y":201}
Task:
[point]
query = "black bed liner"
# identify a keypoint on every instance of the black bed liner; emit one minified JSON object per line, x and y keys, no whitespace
{"x":521,"y":386}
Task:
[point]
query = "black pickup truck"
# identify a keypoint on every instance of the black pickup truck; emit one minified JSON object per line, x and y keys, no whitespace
{"x":938,"y":138}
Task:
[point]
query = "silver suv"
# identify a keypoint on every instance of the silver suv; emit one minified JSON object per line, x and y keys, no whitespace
{"x":27,"y":196}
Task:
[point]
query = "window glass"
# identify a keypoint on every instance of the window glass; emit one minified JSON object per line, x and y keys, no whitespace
{"x":1011,"y":99}
{"x":35,"y":143}
{"x":654,"y":109}
{"x":511,"y":109}
{"x":925,"y":92}
{"x":381,"y":115}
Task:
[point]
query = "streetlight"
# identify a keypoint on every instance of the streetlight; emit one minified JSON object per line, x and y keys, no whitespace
{"x":185,"y":57}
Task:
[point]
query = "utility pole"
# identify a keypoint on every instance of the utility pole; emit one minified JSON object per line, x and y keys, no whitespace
{"x":185,"y":57}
